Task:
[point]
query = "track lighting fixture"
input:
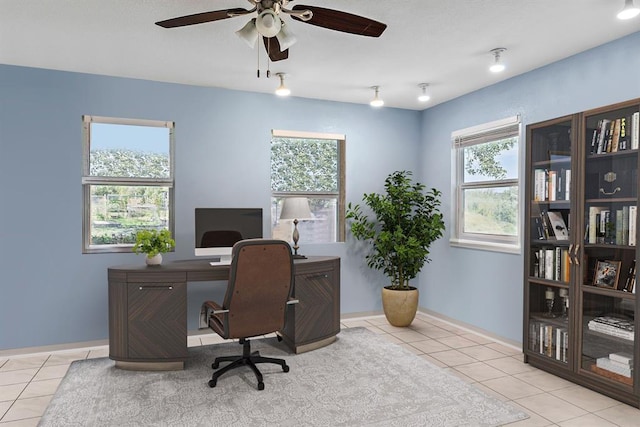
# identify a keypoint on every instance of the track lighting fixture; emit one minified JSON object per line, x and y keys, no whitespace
{"x":282,"y":90}
{"x":424,"y":96}
{"x":629,"y":10}
{"x":376,"y":101}
{"x":498,"y":65}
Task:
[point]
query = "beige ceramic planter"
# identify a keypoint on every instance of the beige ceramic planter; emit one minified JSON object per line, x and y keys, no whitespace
{"x":399,"y":306}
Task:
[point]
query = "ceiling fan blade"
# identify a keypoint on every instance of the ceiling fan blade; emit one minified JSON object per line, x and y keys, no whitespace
{"x":272,"y":46}
{"x":341,"y":21}
{"x":201,"y":18}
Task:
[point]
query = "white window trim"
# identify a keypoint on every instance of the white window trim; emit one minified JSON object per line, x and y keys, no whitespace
{"x":470,"y":136}
{"x":88,"y":180}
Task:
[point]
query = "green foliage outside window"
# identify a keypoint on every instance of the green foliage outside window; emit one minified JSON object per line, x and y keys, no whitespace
{"x":307,"y":165}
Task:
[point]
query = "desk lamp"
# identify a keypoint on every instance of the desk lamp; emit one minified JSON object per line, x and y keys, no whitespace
{"x":296,"y":208}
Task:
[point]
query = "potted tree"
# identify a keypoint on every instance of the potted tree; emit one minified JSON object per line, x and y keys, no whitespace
{"x":153,"y":243}
{"x":405,"y":220}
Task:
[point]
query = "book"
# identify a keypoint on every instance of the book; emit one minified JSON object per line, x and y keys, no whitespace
{"x":620,"y":369}
{"x":567,"y":184}
{"x":552,"y":182}
{"x":635,"y":130}
{"x":594,"y":213}
{"x":622,"y":357}
{"x":618,"y":225}
{"x":625,"y":141}
{"x":558,"y":226}
{"x":603,"y":126}
{"x":615,"y":138}
{"x":625,"y":225}
{"x":633,"y":214}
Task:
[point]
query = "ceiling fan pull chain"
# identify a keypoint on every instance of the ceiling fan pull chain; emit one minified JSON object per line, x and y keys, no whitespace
{"x":258,"y":68}
{"x":268,"y":59}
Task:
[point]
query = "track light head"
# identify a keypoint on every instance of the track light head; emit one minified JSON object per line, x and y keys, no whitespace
{"x":282,"y":90}
{"x":628,"y":11}
{"x":498,"y":65}
{"x":376,"y":101}
{"x":424,"y":96}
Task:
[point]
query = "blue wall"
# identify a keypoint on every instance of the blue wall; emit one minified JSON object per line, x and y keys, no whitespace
{"x":51,"y":293}
{"x":485,"y":288}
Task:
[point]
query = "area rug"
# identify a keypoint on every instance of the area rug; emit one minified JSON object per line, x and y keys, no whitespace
{"x":359,"y":380}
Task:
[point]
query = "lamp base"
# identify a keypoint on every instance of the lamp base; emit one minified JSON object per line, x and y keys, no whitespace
{"x":296,"y":256}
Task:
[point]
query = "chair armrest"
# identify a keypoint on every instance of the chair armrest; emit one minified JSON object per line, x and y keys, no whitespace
{"x":220,"y":311}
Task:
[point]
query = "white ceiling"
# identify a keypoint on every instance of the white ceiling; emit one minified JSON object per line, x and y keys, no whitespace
{"x":442,"y":42}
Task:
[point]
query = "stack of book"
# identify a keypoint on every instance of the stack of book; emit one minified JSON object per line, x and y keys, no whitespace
{"x":619,"y":363}
{"x":616,"y":134}
{"x":613,"y":326}
{"x":617,"y":227}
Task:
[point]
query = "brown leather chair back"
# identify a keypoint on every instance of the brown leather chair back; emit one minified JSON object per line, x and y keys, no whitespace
{"x":220,"y":238}
{"x":260,"y":284}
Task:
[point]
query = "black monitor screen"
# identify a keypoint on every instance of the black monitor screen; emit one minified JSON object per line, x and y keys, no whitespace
{"x":247,"y":221}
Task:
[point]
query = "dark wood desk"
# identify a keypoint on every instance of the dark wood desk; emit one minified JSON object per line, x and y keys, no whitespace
{"x":148,"y":309}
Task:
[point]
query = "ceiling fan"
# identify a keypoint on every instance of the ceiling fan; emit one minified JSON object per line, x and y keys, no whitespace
{"x":269,"y":24}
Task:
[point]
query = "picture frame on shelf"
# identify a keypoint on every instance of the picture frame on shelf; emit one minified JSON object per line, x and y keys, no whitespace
{"x":606,"y":274}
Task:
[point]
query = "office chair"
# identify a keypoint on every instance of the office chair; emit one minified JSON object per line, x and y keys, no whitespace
{"x":220,"y":238}
{"x":255,"y":303}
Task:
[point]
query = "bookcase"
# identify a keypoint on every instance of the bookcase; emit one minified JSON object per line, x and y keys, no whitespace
{"x":580,"y":249}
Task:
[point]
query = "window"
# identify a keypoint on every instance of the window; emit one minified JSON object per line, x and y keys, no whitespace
{"x":127,"y":181}
{"x":308,"y":165}
{"x":486,"y":208}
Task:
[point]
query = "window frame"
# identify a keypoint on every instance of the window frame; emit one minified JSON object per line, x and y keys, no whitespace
{"x":340,"y":196}
{"x":89,"y":180}
{"x":475,"y":135}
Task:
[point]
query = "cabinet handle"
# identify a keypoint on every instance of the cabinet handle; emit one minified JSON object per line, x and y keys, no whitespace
{"x":318,"y":276}
{"x":576,"y":254}
{"x":155,"y":288}
{"x":610,"y":193}
{"x":570,"y":250}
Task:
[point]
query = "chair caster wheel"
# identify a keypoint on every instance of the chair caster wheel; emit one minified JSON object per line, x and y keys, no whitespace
{"x":285,"y":368}
{"x":215,"y":365}
{"x":212,"y":383}
{"x":279,"y":338}
{"x":260,"y":385}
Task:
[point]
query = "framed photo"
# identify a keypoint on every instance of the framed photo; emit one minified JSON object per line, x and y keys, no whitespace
{"x":606,"y":274}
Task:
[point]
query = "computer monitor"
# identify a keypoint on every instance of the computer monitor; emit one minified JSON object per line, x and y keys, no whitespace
{"x":222,"y":227}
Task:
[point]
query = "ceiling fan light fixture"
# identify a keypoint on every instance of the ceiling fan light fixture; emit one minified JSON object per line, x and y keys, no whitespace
{"x":268,"y":23}
{"x":497,"y":66}
{"x":376,"y":101}
{"x":249,"y":33}
{"x":628,"y":11}
{"x":285,"y":38}
{"x":424,"y":96}
{"x":282,"y":90}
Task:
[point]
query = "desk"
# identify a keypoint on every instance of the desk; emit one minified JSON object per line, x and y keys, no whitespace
{"x":148,"y":309}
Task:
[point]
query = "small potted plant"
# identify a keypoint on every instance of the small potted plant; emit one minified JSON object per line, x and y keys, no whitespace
{"x":405,"y":220}
{"x":153,"y":243}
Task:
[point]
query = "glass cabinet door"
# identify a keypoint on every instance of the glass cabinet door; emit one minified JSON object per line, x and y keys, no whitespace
{"x":550,"y":256}
{"x":608,"y":264}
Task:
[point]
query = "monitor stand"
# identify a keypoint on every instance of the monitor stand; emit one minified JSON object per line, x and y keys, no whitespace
{"x":223,"y":260}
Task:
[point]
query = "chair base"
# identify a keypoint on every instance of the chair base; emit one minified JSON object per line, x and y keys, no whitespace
{"x":246,"y":359}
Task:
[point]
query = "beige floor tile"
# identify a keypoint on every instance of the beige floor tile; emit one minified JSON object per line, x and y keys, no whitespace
{"x":16,"y":377}
{"x":488,"y":391}
{"x":392,"y":339}
{"x":551,"y":408}
{"x":3,"y":361}
{"x":511,"y":387}
{"x":433,"y":361}
{"x":211,"y":339}
{"x":478,"y":339}
{"x":379,"y":320}
{"x":481,"y":352}
{"x":456,"y":341}
{"x":430,"y":346}
{"x":505,"y":349}
{"x":410,"y":336}
{"x":510,"y":365}
{"x":98,"y":353}
{"x":51,"y":372}
{"x":28,"y":422}
{"x":356,"y":323}
{"x":11,"y":392}
{"x":4,"y":407}
{"x":586,"y":399}
{"x":16,"y":364}
{"x":41,"y":388}
{"x":453,"y":357}
{"x":544,"y":380}
{"x":480,"y":371}
{"x":621,"y":415}
{"x":392,"y":329}
{"x":534,"y":419}
{"x":589,"y":420}
{"x":459,"y":374}
{"x":375,"y":329}
{"x":410,"y":348}
{"x":434,"y":332}
{"x":193,"y":341}
{"x":64,"y":358}
{"x":27,"y":408}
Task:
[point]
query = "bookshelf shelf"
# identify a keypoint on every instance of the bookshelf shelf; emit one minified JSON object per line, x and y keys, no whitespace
{"x":580,"y":249}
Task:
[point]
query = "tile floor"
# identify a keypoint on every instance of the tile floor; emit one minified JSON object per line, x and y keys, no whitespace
{"x":28,"y":382}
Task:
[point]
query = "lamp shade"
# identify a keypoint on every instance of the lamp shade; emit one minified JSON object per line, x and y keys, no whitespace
{"x":285,"y":38}
{"x":249,"y":33}
{"x":295,"y":208}
{"x":268,"y":23}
